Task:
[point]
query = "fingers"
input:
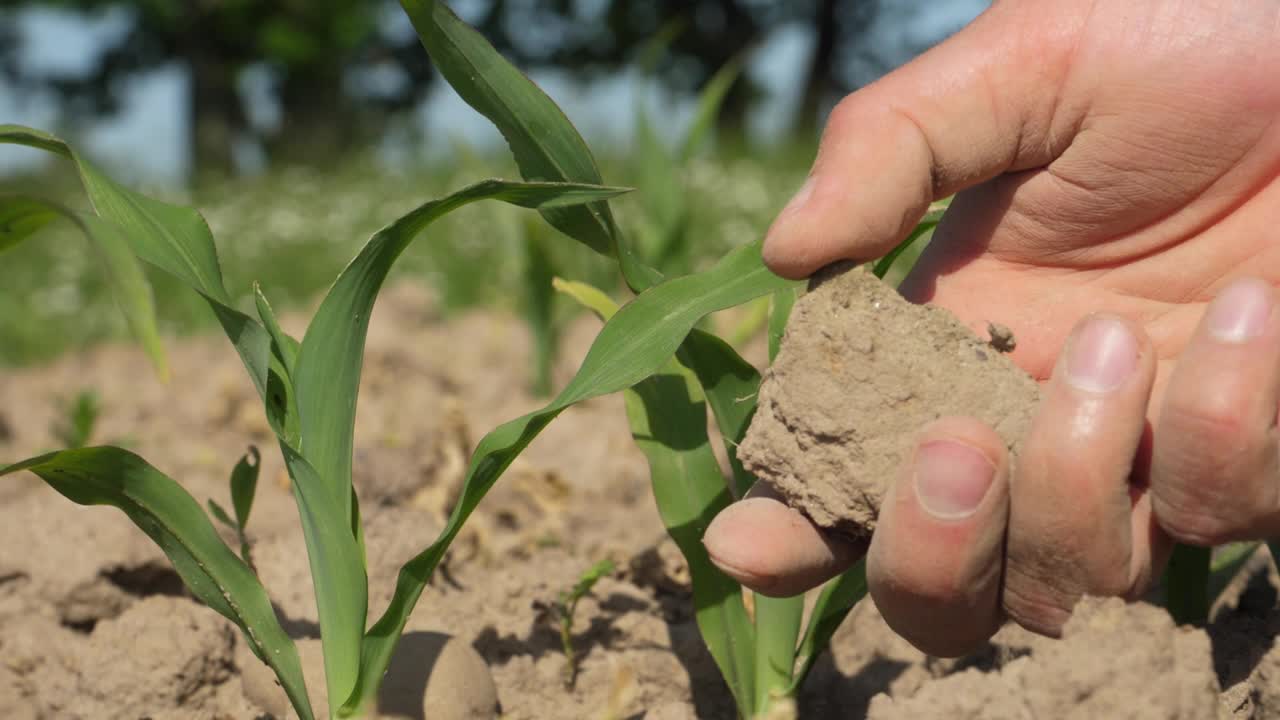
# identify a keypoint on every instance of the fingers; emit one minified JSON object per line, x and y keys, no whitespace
{"x":936,"y":556}
{"x":1074,"y":525}
{"x":773,"y":549}
{"x":1214,"y":474}
{"x":984,"y":102}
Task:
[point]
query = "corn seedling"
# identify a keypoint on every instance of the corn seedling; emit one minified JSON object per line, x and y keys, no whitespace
{"x":309,"y":392}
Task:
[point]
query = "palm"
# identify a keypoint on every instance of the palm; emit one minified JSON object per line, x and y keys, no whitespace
{"x":1166,"y":186}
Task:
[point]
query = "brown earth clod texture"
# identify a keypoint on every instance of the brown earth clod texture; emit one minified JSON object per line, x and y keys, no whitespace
{"x":860,"y":371}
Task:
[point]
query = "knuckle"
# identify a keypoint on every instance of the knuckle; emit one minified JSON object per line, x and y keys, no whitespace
{"x":1209,"y":463}
{"x":1191,"y":522}
{"x":926,"y":584}
{"x":1207,"y":419}
{"x":1036,"y":605}
{"x":843,"y":117}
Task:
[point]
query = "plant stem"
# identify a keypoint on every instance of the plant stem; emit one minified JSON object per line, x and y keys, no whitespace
{"x":1187,"y":585}
{"x":777,"y":623}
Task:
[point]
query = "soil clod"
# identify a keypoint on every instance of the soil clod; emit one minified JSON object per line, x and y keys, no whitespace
{"x":860,"y":371}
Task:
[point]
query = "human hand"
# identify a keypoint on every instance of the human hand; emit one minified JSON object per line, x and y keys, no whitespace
{"x":1112,"y":158}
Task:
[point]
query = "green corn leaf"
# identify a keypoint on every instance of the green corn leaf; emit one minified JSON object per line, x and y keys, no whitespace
{"x":777,"y":626}
{"x":908,"y":246}
{"x":220,"y":514}
{"x":327,"y":373}
{"x":588,"y":296}
{"x":545,"y":144}
{"x":337,"y":564}
{"x":173,"y":238}
{"x":710,"y":100}
{"x":539,"y":311}
{"x":283,"y":346}
{"x":174,"y":520}
{"x":783,"y":301}
{"x":667,"y":414}
{"x":834,"y":603}
{"x":1227,"y":562}
{"x":687,"y":485}
{"x":659,"y":44}
{"x":666,"y":205}
{"x":280,"y":398}
{"x":730,"y":384}
{"x":325,"y":383}
{"x":637,"y":342}
{"x":668,"y":420}
{"x":177,"y":240}
{"x":244,"y":484}
{"x":22,"y":216}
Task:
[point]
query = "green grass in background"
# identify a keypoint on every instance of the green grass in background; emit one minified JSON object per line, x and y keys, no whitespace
{"x":315,"y":221}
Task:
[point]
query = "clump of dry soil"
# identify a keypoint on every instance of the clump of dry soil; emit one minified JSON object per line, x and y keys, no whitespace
{"x":94,"y":625}
{"x":860,"y":371}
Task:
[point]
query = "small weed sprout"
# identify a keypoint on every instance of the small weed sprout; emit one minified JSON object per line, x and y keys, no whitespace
{"x":244,"y":485}
{"x":74,"y":429}
{"x":562,"y":610}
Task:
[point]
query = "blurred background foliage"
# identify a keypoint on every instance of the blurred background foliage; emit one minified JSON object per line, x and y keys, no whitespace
{"x":301,"y":126}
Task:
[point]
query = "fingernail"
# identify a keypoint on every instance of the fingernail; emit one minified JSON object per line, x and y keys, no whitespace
{"x":1240,"y":312}
{"x":951,"y":478}
{"x":1102,"y":355}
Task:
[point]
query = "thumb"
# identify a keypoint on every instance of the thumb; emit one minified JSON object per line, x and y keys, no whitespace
{"x":982,"y":103}
{"x":936,"y":559}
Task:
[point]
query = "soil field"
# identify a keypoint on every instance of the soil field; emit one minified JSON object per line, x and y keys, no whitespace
{"x":93,"y":624}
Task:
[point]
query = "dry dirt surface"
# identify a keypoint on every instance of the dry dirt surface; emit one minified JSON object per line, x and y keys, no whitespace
{"x":94,"y":625}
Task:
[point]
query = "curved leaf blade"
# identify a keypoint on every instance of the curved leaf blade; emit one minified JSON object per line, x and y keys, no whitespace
{"x":637,"y":342}
{"x":710,"y":99}
{"x":129,"y":285}
{"x":173,"y":519}
{"x":730,"y":384}
{"x":834,"y":603}
{"x":338,"y":576}
{"x":668,"y":418}
{"x":545,"y":144}
{"x":20,"y":218}
{"x":326,"y":376}
{"x":244,"y":485}
{"x":174,"y":238}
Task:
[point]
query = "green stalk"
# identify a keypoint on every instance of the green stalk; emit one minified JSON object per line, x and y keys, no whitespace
{"x":1187,"y":584}
{"x":777,"y":623}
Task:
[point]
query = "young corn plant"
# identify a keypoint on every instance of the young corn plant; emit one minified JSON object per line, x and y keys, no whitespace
{"x":671,"y":372}
{"x":308,"y":388}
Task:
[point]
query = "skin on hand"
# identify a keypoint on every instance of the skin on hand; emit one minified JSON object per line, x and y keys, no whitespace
{"x":1116,"y":161}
